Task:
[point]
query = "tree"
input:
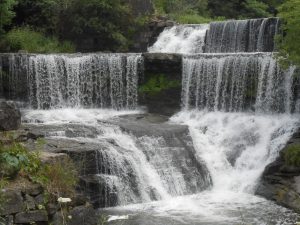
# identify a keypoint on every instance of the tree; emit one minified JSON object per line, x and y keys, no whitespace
{"x":6,"y":13}
{"x":288,"y":42}
{"x":255,"y":9}
{"x":230,"y":9}
{"x":93,"y":25}
{"x":107,"y":24}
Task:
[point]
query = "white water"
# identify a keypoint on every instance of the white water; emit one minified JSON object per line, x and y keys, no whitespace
{"x":237,"y":146}
{"x":181,"y":39}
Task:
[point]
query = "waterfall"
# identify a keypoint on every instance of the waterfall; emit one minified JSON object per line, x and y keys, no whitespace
{"x":237,"y":82}
{"x":255,"y":35}
{"x":238,"y":107}
{"x":130,"y":168}
{"x":181,"y":39}
{"x":91,"y":80}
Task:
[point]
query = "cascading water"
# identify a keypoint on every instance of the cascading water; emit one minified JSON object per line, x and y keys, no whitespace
{"x":181,"y":39}
{"x":132,"y":168}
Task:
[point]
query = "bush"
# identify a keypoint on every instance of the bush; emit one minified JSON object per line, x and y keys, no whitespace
{"x":24,"y":38}
{"x":158,"y":83}
{"x":194,"y":19}
{"x":292,"y":155}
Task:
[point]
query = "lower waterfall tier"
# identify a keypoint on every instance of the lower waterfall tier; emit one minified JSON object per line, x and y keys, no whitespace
{"x":123,"y":160}
{"x":198,"y":167}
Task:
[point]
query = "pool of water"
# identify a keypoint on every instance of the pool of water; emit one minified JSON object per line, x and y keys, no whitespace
{"x":207,"y":208}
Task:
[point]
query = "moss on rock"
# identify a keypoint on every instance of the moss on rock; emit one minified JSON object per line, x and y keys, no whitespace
{"x":292,"y":155}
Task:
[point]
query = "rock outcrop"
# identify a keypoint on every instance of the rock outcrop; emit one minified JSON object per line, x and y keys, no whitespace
{"x":280,"y":181}
{"x":160,"y":89}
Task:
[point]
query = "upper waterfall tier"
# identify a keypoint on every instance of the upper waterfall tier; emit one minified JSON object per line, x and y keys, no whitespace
{"x":91,"y":80}
{"x":239,"y":82}
{"x":255,"y":35}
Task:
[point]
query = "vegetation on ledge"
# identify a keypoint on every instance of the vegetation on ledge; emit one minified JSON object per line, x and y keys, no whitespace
{"x":17,"y":162}
{"x":158,"y":83}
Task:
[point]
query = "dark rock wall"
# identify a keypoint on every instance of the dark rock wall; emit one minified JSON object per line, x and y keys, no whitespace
{"x":147,"y":35}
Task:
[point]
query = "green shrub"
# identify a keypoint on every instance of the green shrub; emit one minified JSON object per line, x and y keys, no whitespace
{"x":58,"y":178}
{"x":292,"y":155}
{"x":24,"y":38}
{"x":15,"y":158}
{"x":158,"y":83}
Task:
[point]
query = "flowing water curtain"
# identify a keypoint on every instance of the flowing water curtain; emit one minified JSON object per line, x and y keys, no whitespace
{"x":237,"y":82}
{"x":94,"y":80}
{"x":256,"y":35}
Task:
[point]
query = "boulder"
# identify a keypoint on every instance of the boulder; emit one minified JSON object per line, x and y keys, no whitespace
{"x":13,"y":203}
{"x":10,"y":116}
{"x":31,"y":217}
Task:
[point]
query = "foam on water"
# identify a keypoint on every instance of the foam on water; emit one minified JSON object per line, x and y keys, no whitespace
{"x":181,"y":39}
{"x":237,"y":146}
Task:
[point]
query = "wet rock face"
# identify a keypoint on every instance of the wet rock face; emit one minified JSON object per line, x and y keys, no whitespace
{"x":281,"y":182}
{"x":10,"y":116}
